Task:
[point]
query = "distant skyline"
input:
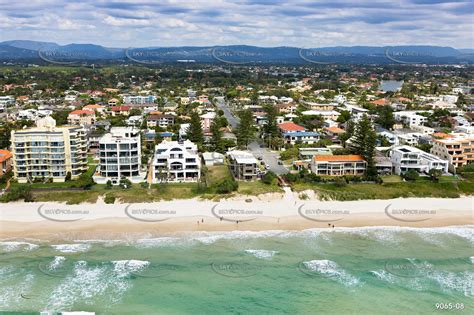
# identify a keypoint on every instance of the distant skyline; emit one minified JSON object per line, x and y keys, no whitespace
{"x":265,"y":23}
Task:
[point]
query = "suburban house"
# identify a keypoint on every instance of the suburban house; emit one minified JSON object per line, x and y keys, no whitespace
{"x":293,"y":133}
{"x":458,"y":151}
{"x":405,"y":158}
{"x":81,"y":117}
{"x":243,"y":165}
{"x":5,"y":162}
{"x":161,"y":120}
{"x":176,"y":161}
{"x":138,"y":99}
{"x":120,"y":110}
{"x":338,"y":165}
{"x":410,"y":118}
{"x":206,"y":120}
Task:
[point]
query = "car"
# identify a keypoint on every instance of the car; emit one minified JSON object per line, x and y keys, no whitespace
{"x":280,"y":163}
{"x":259,"y":158}
{"x":262,"y":146}
{"x":267,"y":167}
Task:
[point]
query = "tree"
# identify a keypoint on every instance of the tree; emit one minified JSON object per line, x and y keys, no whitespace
{"x":194,"y":132}
{"x":216,"y":135}
{"x":271,"y":127}
{"x":435,"y":174}
{"x":363,"y":143}
{"x":411,"y":175}
{"x":269,"y":177}
{"x":344,"y":116}
{"x":245,"y":129}
{"x":386,"y":118}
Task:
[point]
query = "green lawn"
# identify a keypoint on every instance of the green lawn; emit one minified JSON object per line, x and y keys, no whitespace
{"x":447,"y":187}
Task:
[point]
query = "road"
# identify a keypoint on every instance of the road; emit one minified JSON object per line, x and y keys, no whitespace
{"x":269,"y":157}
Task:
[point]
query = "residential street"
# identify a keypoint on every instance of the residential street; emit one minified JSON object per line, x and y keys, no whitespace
{"x":269,"y":157}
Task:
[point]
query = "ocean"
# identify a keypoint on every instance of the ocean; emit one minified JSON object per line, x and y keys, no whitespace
{"x":373,"y":270}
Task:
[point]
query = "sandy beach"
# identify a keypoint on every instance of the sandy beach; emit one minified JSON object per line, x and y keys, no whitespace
{"x":116,"y":221}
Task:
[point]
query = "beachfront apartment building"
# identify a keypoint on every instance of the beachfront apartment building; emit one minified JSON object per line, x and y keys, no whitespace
{"x":458,"y":151}
{"x":119,"y":156}
{"x":243,"y":165}
{"x":176,"y":161}
{"x":405,"y":158}
{"x":47,"y":151}
{"x":338,"y":165}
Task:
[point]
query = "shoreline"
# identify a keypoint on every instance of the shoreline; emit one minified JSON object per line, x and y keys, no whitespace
{"x":58,"y":221}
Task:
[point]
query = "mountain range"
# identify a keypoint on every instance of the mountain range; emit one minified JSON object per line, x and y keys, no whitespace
{"x":49,"y":52}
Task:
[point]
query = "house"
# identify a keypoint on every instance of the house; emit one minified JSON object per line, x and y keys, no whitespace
{"x":176,"y":161}
{"x":213,"y":158}
{"x":325,"y":114}
{"x":138,"y":99}
{"x":293,"y":133}
{"x":410,"y":118}
{"x":338,"y":165}
{"x":309,"y":153}
{"x":113,"y":102}
{"x":98,"y":109}
{"x":405,"y":158}
{"x":120,"y":110}
{"x":243,"y":165}
{"x":161,"y":120}
{"x":81,"y":117}
{"x":5,"y":162}
{"x":458,"y":151}
{"x":207,"y":119}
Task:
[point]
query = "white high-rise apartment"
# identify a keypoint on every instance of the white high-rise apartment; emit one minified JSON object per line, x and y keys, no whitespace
{"x":47,"y":151}
{"x":119,"y":156}
{"x":176,"y":161}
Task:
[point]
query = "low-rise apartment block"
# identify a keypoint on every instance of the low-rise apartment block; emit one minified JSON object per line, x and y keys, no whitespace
{"x":338,"y":165}
{"x":243,"y":165}
{"x":176,"y":161}
{"x":47,"y":151}
{"x":405,"y":158}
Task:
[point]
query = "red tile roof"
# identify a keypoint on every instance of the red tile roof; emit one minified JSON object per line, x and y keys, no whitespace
{"x":5,"y":155}
{"x":81,"y":112}
{"x":120,"y":108}
{"x":290,"y":126}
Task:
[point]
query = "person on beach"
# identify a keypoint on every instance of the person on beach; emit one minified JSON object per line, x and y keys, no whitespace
{"x":202,"y":220}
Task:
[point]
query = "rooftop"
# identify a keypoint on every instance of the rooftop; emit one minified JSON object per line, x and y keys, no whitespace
{"x":338,"y":158}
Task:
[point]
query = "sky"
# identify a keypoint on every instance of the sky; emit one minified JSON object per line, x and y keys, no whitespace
{"x":300,"y":23}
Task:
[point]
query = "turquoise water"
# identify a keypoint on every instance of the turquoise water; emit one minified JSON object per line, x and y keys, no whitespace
{"x":341,"y":271}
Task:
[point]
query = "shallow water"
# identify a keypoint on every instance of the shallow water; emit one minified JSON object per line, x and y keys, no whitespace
{"x":346,"y":270}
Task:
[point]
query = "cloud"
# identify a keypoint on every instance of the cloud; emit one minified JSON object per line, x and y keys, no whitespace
{"x":303,"y":23}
